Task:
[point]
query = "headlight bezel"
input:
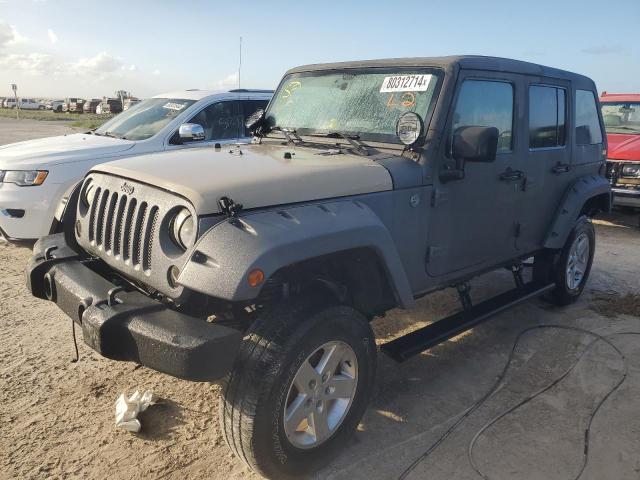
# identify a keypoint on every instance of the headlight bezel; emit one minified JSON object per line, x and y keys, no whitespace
{"x":627,"y":172}
{"x":183,"y":229}
{"x":24,"y":178}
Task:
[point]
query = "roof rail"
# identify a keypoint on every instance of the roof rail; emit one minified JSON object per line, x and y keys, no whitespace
{"x":249,"y":90}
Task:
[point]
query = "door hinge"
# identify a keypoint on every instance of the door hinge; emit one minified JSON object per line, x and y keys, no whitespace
{"x":518,"y":231}
{"x":433,"y":253}
{"x":438,"y":197}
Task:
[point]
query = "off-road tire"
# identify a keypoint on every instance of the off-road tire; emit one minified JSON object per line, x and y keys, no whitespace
{"x":562,"y":294}
{"x":256,"y":390}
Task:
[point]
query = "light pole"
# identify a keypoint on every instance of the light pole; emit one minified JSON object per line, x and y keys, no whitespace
{"x":14,"y":87}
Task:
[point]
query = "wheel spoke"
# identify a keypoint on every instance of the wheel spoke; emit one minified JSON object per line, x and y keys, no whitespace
{"x":295,"y":413}
{"x":340,"y":386}
{"x":320,"y":424}
{"x":330,"y":360}
{"x":304,"y":378}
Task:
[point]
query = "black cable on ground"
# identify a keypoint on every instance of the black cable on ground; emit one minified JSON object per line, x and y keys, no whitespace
{"x":499,"y":383}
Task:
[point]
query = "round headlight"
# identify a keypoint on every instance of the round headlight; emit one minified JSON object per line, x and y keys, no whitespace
{"x":89,"y":194}
{"x":409,"y":128}
{"x":183,"y":229}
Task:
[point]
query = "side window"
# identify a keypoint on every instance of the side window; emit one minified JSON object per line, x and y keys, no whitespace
{"x":248,"y":107}
{"x":220,"y":120}
{"x":485,"y":103}
{"x":547,"y":116}
{"x":588,"y":130}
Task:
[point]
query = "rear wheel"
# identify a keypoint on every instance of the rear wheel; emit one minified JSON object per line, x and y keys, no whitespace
{"x":572,"y":268}
{"x":299,"y":387}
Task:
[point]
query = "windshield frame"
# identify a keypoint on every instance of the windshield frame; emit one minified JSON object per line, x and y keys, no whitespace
{"x":437,"y":72}
{"x":619,"y":131}
{"x":130,"y":112}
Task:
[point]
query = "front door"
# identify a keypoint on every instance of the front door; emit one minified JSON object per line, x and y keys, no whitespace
{"x":473,"y":220}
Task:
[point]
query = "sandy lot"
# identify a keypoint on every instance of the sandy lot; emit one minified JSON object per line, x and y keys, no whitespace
{"x":56,"y":417}
{"x":17,"y":131}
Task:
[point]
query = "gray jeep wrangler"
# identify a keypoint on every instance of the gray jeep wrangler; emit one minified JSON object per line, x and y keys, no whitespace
{"x":368,"y":185}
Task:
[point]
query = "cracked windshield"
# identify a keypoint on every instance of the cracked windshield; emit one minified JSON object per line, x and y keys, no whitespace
{"x":363,"y":104}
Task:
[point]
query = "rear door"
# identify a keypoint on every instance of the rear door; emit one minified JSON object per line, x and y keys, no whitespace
{"x":547,"y":158}
{"x":472,"y":223}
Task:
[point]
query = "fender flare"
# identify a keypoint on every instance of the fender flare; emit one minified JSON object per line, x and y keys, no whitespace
{"x":576,"y":196}
{"x":271,"y":240}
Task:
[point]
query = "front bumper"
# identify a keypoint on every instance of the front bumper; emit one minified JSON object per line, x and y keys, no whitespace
{"x":127,"y":325}
{"x":37,"y":206}
{"x":626,"y":197}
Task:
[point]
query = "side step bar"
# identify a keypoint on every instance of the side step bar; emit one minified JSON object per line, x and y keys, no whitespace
{"x":420,"y":340}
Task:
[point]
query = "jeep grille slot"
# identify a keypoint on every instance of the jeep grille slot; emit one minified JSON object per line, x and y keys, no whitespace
{"x":92,"y":217}
{"x":108,"y":224}
{"x":148,"y":238}
{"x":117,"y":230}
{"x":126,"y":252}
{"x":137,"y":233}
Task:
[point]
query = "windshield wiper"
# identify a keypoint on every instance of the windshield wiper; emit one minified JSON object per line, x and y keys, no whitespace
{"x":290,"y":133}
{"x":354,"y":141}
{"x":110,"y":134}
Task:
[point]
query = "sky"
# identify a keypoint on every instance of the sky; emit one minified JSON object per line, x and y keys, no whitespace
{"x":60,"y":48}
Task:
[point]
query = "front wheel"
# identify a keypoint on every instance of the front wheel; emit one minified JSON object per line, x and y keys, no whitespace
{"x":574,"y":264}
{"x":299,"y":387}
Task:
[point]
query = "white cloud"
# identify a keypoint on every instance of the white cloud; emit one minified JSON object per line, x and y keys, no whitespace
{"x":32,"y":63}
{"x":102,"y":63}
{"x":53,"y":38}
{"x":132,"y":68}
{"x":155,"y":72}
{"x":229,"y":81}
{"x":10,"y":36}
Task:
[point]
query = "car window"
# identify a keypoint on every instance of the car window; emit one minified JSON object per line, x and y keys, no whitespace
{"x":248,"y":107}
{"x":486,"y":103}
{"x":547,"y":114}
{"x":621,"y":117}
{"x":145,"y":119}
{"x":588,"y":130}
{"x":220,"y":120}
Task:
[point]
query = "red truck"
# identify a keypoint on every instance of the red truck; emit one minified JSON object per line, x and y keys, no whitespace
{"x":621,"y":115}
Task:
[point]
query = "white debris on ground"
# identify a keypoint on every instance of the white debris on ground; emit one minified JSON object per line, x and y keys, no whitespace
{"x":127,"y":410}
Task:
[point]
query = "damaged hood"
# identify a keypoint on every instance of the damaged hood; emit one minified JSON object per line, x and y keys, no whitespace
{"x":45,"y":152}
{"x":260,"y":176}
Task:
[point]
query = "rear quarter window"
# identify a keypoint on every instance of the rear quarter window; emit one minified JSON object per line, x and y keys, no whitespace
{"x":588,"y":131}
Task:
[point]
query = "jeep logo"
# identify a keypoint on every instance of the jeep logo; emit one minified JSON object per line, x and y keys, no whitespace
{"x":127,"y":189}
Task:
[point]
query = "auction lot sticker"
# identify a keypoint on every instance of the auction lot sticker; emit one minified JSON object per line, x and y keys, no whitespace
{"x":405,"y":83}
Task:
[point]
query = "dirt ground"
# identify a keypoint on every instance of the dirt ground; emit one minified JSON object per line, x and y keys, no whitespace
{"x":57,"y":417}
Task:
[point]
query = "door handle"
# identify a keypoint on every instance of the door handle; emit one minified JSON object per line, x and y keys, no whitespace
{"x":511,"y":175}
{"x":561,"y":168}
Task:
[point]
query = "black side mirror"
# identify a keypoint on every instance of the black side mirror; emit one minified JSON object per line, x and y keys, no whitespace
{"x":475,"y":144}
{"x":255,"y":122}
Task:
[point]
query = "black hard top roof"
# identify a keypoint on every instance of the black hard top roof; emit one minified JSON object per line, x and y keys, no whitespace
{"x":469,"y":62}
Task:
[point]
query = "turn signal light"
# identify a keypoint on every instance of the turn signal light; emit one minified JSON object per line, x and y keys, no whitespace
{"x":255,"y":277}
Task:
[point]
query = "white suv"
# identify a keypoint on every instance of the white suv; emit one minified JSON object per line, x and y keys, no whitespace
{"x":35,"y":175}
{"x":31,"y":104}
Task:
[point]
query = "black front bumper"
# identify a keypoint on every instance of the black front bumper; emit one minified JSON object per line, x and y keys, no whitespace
{"x":127,"y":325}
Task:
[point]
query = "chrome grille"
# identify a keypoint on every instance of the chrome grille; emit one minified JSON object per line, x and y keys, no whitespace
{"x":121,"y":226}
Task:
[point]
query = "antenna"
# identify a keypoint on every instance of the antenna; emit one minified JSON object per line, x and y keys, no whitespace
{"x":240,"y":64}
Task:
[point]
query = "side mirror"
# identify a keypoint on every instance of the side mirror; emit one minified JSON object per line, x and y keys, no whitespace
{"x":475,"y":144}
{"x":191,"y":132}
{"x":255,"y":121}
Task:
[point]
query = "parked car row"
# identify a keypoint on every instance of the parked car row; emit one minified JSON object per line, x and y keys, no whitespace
{"x":23,"y":104}
{"x":354,"y":189}
{"x":103,"y":105}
